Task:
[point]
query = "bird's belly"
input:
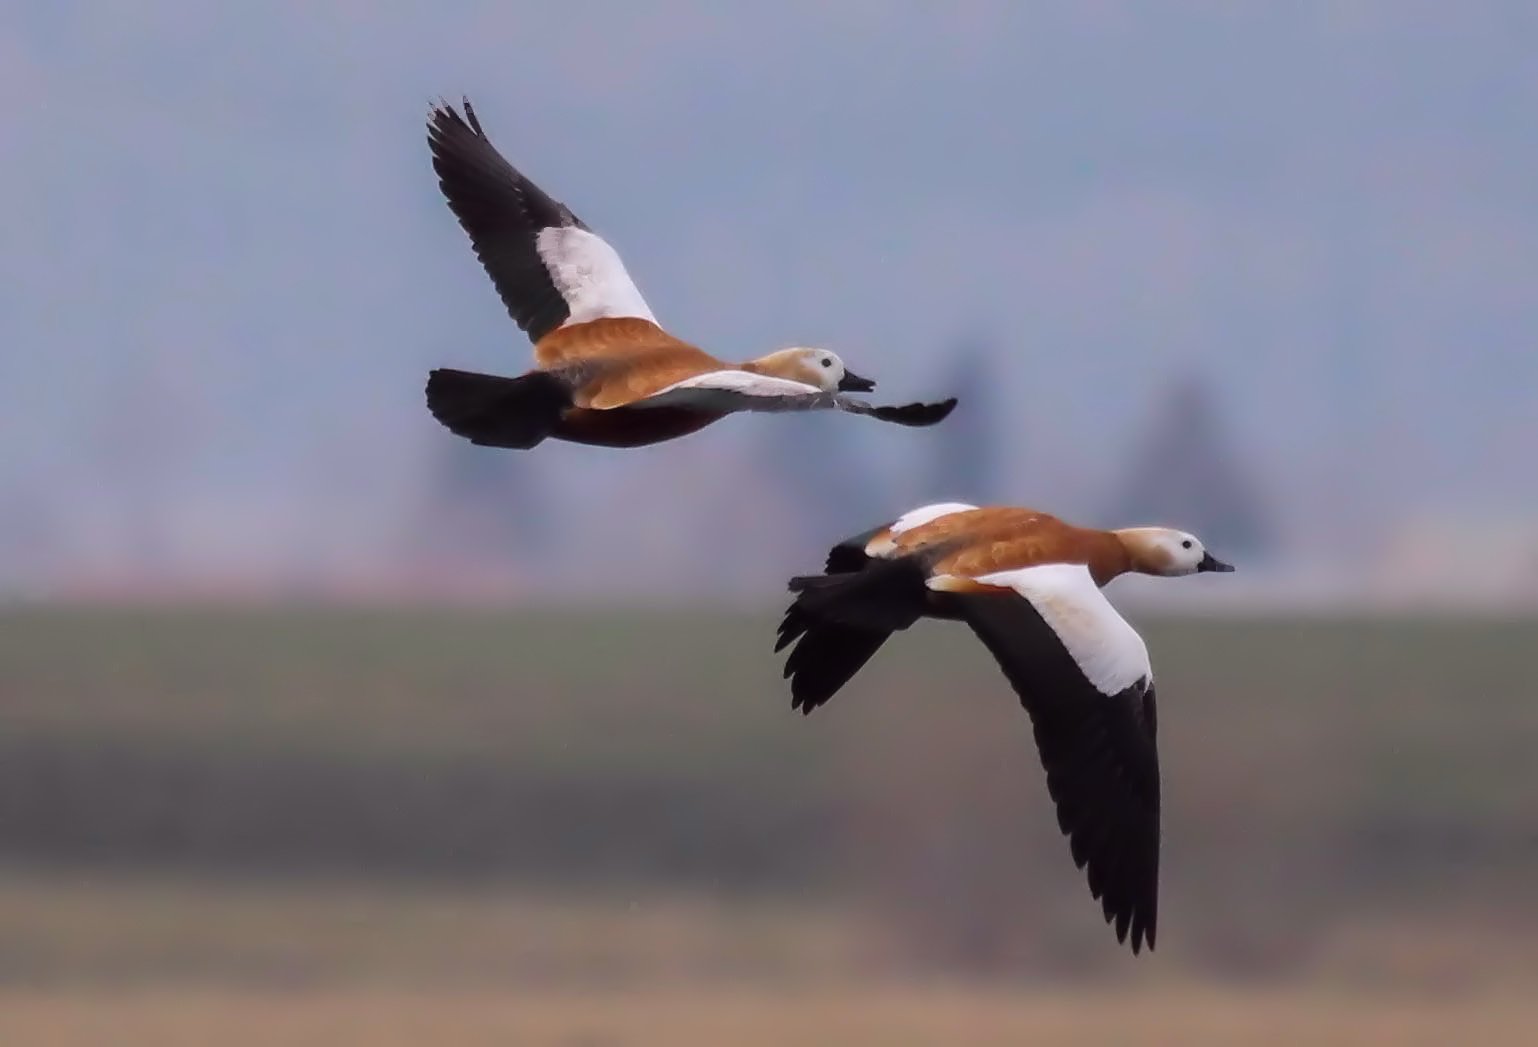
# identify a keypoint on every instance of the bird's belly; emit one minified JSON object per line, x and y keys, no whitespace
{"x":629,"y":427}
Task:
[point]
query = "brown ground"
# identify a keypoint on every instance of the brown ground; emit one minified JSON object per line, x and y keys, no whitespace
{"x":838,"y":1016}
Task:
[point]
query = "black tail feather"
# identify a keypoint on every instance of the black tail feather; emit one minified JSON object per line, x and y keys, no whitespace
{"x":825,"y":658}
{"x":792,"y":627}
{"x":839,"y":621}
{"x":885,"y":596}
{"x":494,"y":411}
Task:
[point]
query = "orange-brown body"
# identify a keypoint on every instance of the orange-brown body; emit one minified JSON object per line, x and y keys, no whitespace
{"x":982,"y":541}
{"x":618,"y":361}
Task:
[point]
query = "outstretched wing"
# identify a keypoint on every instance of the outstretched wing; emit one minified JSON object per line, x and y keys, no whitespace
{"x":914,"y":414}
{"x":1083,"y":675}
{"x":727,"y":391}
{"x":549,"y":268}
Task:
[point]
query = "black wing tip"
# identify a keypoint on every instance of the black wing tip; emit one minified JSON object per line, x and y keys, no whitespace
{"x":1129,"y":906}
{"x":1142,"y":934}
{"x":437,"y":378}
{"x":917,"y":414}
{"x":1133,"y":922}
{"x":470,"y":117}
{"x":443,"y":119}
{"x":1147,"y":942}
{"x":1128,"y":901}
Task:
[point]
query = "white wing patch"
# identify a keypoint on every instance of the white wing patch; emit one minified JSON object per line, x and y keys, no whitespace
{"x":885,"y":546}
{"x":1108,"y":651}
{"x":589,"y":275}
{"x":732,"y":390}
{"x":928,"y":514}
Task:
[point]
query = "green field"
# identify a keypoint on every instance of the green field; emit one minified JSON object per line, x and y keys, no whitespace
{"x":370,"y":811}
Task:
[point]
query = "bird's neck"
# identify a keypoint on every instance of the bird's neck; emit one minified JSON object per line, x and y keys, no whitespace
{"x":1110,"y":557}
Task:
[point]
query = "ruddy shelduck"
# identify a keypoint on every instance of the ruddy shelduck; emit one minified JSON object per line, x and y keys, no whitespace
{"x":1029,"y":585}
{"x":605,"y":372}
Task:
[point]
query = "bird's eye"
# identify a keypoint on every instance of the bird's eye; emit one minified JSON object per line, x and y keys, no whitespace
{"x":826,"y":362}
{"x":1186,"y":544}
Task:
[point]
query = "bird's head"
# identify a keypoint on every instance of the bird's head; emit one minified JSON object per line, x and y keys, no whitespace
{"x":1167,"y":552}
{"x":815,"y":367}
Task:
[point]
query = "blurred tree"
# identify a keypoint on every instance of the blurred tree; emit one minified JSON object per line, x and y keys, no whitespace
{"x":30,"y":532}
{"x":831,"y":486}
{"x":1183,"y":474}
{"x":139,"y":455}
{"x":485,"y":504}
{"x":964,"y":463}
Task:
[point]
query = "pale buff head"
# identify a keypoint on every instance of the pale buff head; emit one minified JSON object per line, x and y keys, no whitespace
{"x":1166,"y":552}
{"x":814,"y":367}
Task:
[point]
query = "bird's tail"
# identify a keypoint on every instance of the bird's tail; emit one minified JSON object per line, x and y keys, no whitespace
{"x":825,"y":657}
{"x":494,"y":411}
{"x":884,"y":596}
{"x":839,"y":621}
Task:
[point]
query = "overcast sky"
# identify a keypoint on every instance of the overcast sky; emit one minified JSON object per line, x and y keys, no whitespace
{"x":225,"y":265}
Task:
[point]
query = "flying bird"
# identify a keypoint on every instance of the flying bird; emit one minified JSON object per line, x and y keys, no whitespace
{"x":1029,"y":585}
{"x":605,"y":373}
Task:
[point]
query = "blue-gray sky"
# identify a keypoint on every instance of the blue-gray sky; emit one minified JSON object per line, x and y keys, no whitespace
{"x":225,"y":264}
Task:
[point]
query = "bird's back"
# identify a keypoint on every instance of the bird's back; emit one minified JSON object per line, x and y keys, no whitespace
{"x":1005,"y":538}
{"x":616,"y":361}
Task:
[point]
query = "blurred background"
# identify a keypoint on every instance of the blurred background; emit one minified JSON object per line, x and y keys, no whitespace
{"x":319,"y":725}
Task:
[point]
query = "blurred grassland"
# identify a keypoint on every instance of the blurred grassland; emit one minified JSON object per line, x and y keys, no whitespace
{"x":341,"y":826}
{"x":1431,"y":717}
{"x":614,"y":694}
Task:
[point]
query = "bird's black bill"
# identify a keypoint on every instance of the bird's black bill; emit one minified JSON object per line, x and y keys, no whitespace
{"x":853,"y":383}
{"x":1208,"y":562}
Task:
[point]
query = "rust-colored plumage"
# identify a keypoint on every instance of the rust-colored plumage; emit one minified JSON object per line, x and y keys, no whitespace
{"x":616,"y":361}
{"x":1004,"y":538}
